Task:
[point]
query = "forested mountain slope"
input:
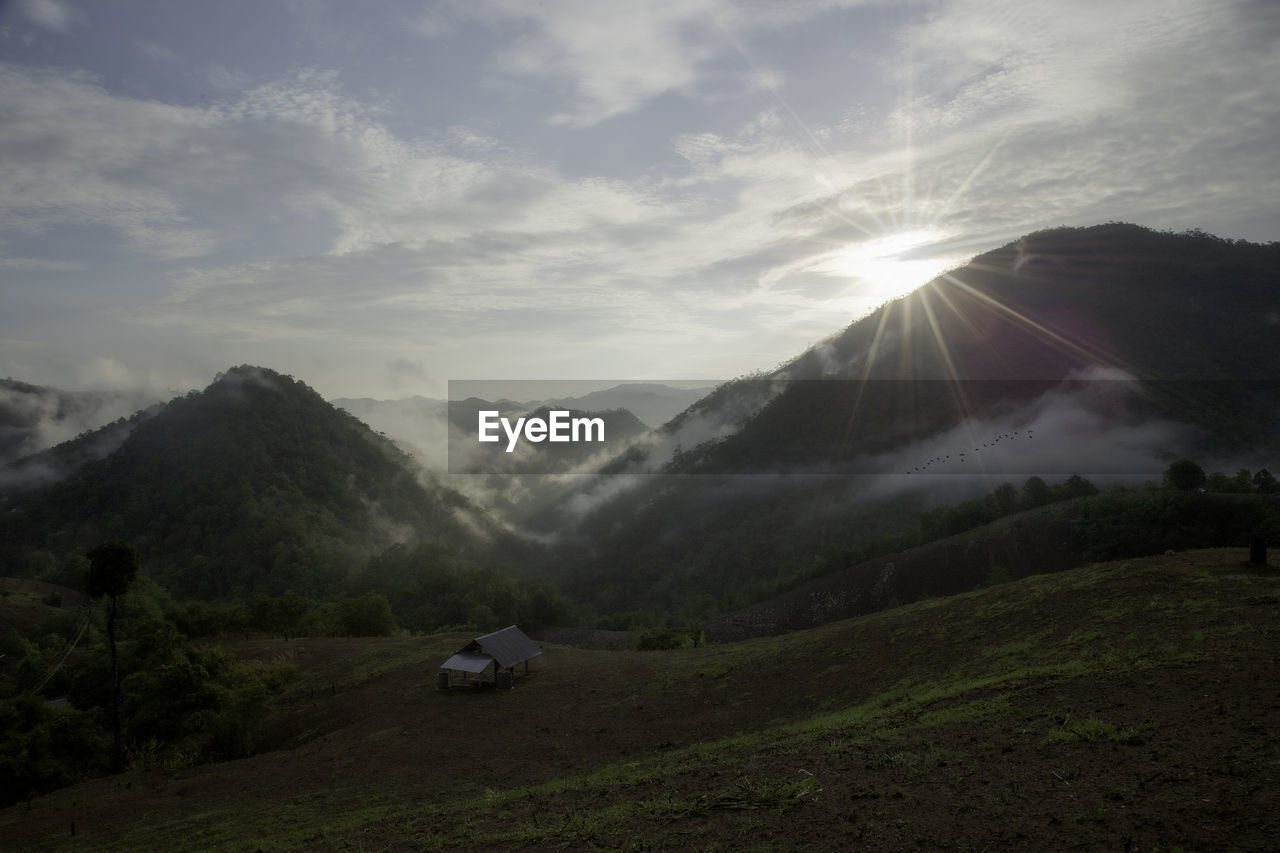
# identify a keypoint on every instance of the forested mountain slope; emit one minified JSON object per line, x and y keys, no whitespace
{"x":1105,"y":352}
{"x":255,"y":484}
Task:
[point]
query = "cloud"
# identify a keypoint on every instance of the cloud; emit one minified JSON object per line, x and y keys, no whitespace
{"x":406,"y":368}
{"x":296,"y":157}
{"x":52,"y":15}
{"x":156,"y":52}
{"x":618,"y":56}
{"x":1113,"y":111}
{"x":38,"y":418}
{"x":75,"y":157}
{"x":286,"y":158}
{"x":300,"y":210}
{"x":40,"y":265}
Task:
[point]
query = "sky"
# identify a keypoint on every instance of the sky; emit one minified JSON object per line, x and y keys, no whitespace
{"x":377,"y":198}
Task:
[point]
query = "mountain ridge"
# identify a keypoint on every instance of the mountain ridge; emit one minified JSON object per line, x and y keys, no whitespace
{"x":1111,"y":349}
{"x":253,"y":484}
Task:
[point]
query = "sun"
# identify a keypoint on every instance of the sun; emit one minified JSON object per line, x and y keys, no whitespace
{"x":886,"y":266}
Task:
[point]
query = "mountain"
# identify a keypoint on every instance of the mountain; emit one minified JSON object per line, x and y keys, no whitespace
{"x":1191,"y":318}
{"x":651,"y":402}
{"x":1106,"y":351}
{"x":253,"y":485}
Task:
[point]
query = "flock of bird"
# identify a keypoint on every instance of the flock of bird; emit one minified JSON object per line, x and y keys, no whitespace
{"x":943,"y":460}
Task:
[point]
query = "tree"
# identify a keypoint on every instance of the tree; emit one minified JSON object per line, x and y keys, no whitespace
{"x":112,"y":568}
{"x":366,"y":616}
{"x":290,"y":615}
{"x":1005,"y":497}
{"x":1265,"y":482}
{"x":1076,"y":486}
{"x":1035,"y":492}
{"x":1184,"y":475}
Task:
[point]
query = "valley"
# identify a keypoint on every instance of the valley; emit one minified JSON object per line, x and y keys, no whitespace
{"x":871,"y":409}
{"x":962,"y":567}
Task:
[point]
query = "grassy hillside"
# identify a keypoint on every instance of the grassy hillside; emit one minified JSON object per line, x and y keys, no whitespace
{"x":1051,"y":538}
{"x":1127,"y":705}
{"x":27,"y":604}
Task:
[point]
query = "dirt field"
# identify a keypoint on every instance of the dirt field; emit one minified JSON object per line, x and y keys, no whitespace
{"x":1131,"y":706}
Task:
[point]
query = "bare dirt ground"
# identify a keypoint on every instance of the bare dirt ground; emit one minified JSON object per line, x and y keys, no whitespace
{"x":1131,"y":708}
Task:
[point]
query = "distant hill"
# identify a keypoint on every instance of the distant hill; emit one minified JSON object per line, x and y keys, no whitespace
{"x":36,"y":417}
{"x":254,"y":485}
{"x":651,"y":402}
{"x":1106,"y":351}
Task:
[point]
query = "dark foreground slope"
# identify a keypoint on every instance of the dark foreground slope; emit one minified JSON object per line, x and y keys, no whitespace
{"x":1124,"y":706}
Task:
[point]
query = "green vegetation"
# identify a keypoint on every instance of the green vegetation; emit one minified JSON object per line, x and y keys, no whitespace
{"x":753,"y":551}
{"x":265,"y":508}
{"x":429,"y":587}
{"x":1184,"y":475}
{"x":979,"y":728}
{"x":659,"y":639}
{"x":163,"y":699}
{"x":255,"y":485}
{"x":171,"y":695}
{"x":256,"y":508}
{"x":1004,"y":500}
{"x":1092,"y":728}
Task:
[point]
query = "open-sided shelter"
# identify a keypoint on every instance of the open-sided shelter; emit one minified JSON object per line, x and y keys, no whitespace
{"x":491,"y":659}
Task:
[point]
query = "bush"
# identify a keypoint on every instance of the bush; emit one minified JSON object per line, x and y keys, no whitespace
{"x":662,"y":639}
{"x":1184,"y":475}
{"x":366,"y":616}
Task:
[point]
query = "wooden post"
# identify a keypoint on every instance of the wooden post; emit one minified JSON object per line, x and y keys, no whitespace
{"x":1258,"y":550}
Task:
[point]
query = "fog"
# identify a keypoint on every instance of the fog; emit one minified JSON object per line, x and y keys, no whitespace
{"x":33,"y":418}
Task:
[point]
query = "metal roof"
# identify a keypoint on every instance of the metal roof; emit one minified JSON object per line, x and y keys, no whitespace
{"x":465,"y":661}
{"x":508,"y":647}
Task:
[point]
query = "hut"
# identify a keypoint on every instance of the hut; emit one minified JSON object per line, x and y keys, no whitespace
{"x":488,"y":660}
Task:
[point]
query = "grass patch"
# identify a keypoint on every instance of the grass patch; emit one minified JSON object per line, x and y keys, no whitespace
{"x":1092,"y":729}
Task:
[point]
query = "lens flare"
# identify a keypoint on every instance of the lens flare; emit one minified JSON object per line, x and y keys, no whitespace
{"x":886,"y":266}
